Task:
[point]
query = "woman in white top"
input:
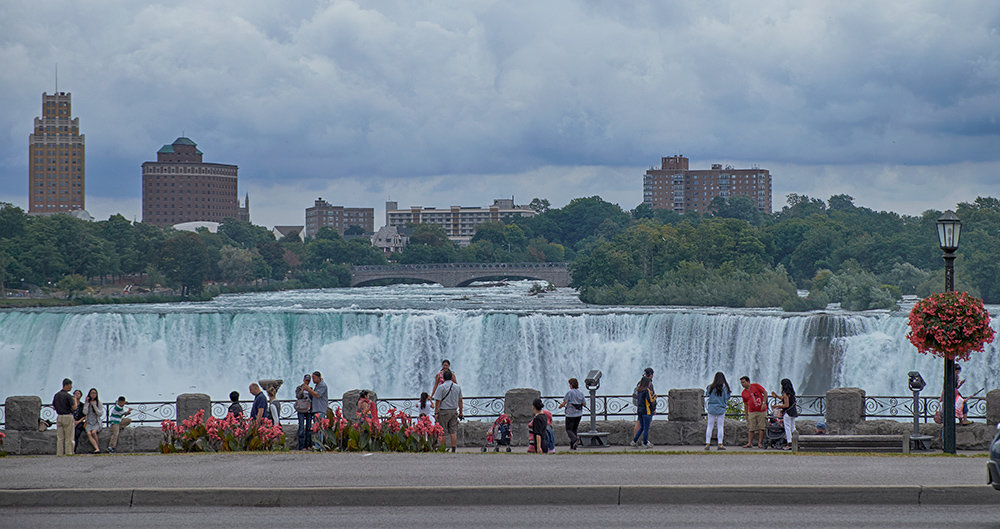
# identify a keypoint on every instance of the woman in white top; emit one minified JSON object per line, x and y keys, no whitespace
{"x":272,"y":407}
{"x":426,"y":407}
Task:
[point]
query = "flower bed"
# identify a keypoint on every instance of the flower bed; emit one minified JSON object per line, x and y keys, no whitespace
{"x":232,"y":434}
{"x":950,"y":325}
{"x":395,"y":432}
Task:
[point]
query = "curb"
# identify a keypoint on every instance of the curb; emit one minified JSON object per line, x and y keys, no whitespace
{"x":522,"y":495}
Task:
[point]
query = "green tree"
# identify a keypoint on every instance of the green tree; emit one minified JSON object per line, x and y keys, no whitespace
{"x":72,"y":284}
{"x":236,"y":264}
{"x":184,"y":261}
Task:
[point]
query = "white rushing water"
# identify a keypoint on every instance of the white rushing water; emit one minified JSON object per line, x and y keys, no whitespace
{"x":392,"y":339}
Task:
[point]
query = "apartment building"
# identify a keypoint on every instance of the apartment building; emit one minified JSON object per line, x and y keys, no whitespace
{"x":675,"y":186}
{"x":323,"y":214}
{"x":56,"y":149}
{"x":459,"y":222}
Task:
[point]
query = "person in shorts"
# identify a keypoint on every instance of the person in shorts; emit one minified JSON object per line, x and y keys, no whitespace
{"x":755,"y":404}
{"x":448,"y":407}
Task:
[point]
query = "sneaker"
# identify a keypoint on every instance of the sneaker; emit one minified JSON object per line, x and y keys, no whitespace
{"x":648,"y":445}
{"x":111,"y":450}
{"x":721,"y":447}
{"x":708,"y":447}
{"x":632,"y":444}
{"x":453,"y":449}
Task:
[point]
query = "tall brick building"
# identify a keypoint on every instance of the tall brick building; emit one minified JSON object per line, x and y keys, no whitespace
{"x":323,"y":214}
{"x":56,"y":158}
{"x":675,"y":186}
{"x":178,"y":187}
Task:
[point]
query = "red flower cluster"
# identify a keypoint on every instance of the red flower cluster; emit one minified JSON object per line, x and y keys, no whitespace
{"x":950,"y":325}
{"x":426,"y":429}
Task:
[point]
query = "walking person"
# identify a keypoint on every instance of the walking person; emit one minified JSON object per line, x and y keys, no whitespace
{"x":64,"y":404}
{"x":448,"y":407}
{"x":718,"y":401}
{"x":573,"y":402}
{"x":755,"y":403}
{"x":537,"y":429}
{"x":93,"y":410}
{"x":439,"y":377}
{"x":789,"y":408}
{"x":119,"y":419}
{"x":646,"y":409}
{"x":319,"y":395}
{"x":648,"y":372}
{"x":303,"y":411}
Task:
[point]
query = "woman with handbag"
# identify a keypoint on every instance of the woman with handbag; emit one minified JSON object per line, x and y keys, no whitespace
{"x":92,"y":410}
{"x":303,"y":409}
{"x":573,"y":402}
{"x":789,"y":408}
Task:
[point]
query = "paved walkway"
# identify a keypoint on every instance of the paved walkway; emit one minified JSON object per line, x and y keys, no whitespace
{"x":232,"y":478}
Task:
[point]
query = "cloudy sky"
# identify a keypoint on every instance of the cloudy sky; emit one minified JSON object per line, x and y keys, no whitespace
{"x":439,"y":103}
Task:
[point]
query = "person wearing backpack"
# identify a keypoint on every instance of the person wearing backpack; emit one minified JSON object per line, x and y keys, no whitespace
{"x":789,"y":408}
{"x":646,"y":373}
{"x":303,"y":410}
{"x":646,"y":409}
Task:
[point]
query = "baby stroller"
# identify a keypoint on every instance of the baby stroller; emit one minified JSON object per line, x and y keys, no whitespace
{"x":499,"y":434}
{"x":774,"y":436}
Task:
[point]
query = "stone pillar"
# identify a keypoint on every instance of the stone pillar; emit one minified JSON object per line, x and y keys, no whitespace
{"x":993,"y":408}
{"x":349,"y":404}
{"x":517,"y":406}
{"x":22,"y":413}
{"x":845,"y":409}
{"x":188,"y":404}
{"x":685,"y":404}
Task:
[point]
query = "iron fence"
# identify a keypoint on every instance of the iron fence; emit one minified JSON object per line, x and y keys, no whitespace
{"x":607,"y":407}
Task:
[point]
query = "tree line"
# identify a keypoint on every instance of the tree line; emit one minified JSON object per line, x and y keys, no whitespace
{"x":734,"y":256}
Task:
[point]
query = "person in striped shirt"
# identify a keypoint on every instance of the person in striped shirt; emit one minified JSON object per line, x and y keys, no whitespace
{"x":119,"y":420}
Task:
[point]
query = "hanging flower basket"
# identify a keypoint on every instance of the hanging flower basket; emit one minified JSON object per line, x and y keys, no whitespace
{"x":950,"y":325}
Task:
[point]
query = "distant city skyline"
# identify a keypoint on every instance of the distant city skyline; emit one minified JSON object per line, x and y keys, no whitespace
{"x":895,"y":103}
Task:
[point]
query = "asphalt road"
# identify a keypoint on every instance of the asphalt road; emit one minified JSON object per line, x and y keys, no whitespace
{"x":293,"y":469}
{"x":575,"y":517}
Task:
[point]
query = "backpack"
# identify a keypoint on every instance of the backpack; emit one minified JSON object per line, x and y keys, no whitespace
{"x":303,"y":404}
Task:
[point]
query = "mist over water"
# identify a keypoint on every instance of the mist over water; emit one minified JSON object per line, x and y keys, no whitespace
{"x":392,"y":339}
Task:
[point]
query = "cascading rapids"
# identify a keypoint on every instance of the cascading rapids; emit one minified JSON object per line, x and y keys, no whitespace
{"x":155,"y":353}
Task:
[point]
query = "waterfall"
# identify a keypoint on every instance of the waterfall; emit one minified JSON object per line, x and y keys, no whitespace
{"x":157,"y":352}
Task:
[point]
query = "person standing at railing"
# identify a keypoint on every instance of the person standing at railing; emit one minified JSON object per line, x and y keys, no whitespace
{"x":718,"y":402}
{"x":646,"y":409}
{"x":789,"y":408}
{"x":93,"y":410}
{"x":755,"y":403}
{"x":64,"y":404}
{"x":273,"y":405}
{"x":439,"y":378}
{"x":646,"y":373}
{"x":303,"y":411}
{"x":574,"y":402}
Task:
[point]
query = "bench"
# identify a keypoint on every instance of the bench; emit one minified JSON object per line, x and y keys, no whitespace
{"x":596,"y":438}
{"x":851,"y":443}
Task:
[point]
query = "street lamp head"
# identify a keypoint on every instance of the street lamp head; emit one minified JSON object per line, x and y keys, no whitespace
{"x":949,"y":229}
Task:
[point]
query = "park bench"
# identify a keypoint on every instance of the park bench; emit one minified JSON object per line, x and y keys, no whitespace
{"x":851,"y":443}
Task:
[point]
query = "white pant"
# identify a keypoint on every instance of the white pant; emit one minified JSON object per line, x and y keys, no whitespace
{"x":789,"y":427}
{"x":719,"y":421}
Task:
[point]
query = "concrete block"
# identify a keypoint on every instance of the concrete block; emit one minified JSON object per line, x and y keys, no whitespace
{"x":473,"y":433}
{"x":993,"y":407}
{"x":146,"y":439}
{"x":685,"y":404}
{"x":22,"y":412}
{"x":517,"y":406}
{"x":189,"y":404}
{"x":350,"y":403}
{"x":845,"y":408}
{"x":35,"y":443}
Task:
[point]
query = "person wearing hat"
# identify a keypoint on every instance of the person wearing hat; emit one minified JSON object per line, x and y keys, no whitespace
{"x":648,"y":372}
{"x":821,"y":428}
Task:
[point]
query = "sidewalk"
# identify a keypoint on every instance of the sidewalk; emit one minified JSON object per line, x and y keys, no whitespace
{"x":596,"y":476}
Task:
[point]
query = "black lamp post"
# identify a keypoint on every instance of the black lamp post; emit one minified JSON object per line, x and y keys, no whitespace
{"x":949,"y":229}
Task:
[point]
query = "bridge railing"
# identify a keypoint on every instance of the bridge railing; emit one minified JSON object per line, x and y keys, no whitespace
{"x":608,"y":407}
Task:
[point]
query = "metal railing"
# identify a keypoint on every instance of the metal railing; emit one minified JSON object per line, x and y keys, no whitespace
{"x":608,"y":407}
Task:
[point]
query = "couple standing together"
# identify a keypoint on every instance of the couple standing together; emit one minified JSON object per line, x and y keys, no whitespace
{"x":310,"y":401}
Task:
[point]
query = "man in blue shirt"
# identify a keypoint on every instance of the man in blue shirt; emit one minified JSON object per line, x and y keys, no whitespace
{"x":259,"y":409}
{"x":320,"y":403}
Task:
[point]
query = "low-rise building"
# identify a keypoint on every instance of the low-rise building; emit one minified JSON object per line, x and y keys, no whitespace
{"x":323,"y":214}
{"x":280,"y":232}
{"x":391,"y":239}
{"x":675,"y":186}
{"x":459,"y":222}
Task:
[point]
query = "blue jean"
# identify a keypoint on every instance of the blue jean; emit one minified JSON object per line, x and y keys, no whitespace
{"x":644,"y":423}
{"x":305,"y":430}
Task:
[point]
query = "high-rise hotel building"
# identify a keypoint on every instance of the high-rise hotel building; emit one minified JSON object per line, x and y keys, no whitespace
{"x":178,"y":187}
{"x":675,"y":186}
{"x":55,"y":158}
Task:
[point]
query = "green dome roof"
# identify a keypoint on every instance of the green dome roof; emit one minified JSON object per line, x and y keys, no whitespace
{"x":169,"y":149}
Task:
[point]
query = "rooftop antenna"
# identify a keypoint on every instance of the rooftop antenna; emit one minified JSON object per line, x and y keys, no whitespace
{"x":57,"y":78}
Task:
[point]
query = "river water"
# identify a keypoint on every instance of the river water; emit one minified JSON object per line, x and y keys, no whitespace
{"x":393,"y":338}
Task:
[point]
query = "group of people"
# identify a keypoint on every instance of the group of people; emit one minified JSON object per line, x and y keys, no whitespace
{"x":77,"y":416}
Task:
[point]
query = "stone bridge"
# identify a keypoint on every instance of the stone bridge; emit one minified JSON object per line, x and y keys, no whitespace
{"x":461,"y":274}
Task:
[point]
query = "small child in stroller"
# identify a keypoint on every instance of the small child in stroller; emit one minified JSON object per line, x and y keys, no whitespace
{"x":499,"y":434}
{"x":774,"y":436}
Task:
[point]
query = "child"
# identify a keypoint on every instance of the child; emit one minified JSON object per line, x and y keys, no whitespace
{"x":119,"y":420}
